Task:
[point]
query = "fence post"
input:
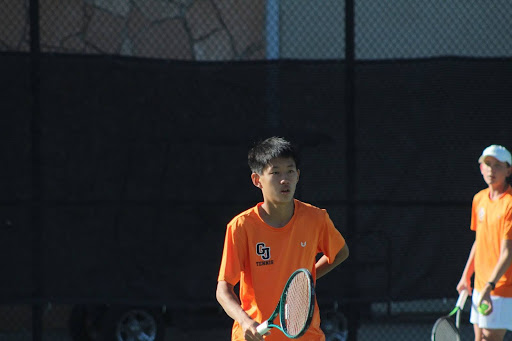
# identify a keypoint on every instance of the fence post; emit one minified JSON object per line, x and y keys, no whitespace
{"x":353,"y":315}
{"x":37,"y":192}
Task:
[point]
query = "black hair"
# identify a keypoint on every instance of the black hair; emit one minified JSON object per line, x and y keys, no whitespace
{"x":260,"y":155}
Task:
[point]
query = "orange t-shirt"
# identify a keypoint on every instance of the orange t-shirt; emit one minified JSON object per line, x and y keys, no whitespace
{"x":262,"y":258}
{"x":492,"y":221}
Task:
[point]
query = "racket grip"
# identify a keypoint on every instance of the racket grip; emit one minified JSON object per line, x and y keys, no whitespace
{"x":462,"y":299}
{"x":263,"y":328}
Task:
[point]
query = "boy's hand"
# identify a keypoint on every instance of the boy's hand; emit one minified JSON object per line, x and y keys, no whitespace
{"x":250,"y":332}
{"x":464,"y":284}
{"x":485,"y":299}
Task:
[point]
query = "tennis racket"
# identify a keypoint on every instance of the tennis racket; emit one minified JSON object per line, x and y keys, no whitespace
{"x":445,"y":329}
{"x":295,"y":308}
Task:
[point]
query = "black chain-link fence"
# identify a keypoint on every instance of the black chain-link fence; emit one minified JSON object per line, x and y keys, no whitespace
{"x":227,"y":30}
{"x":126,"y":124}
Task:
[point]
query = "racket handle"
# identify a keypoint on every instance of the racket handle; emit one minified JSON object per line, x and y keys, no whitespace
{"x":462,"y":299}
{"x":263,"y":328}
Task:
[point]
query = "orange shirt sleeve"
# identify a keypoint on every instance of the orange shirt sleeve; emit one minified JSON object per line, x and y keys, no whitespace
{"x":231,"y":263}
{"x":474,"y":206}
{"x":508,"y":224}
{"x":331,"y":241}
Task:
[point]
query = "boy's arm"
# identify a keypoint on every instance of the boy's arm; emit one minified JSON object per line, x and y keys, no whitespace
{"x":229,"y":301}
{"x":323,"y":267}
{"x":469,"y":269}
{"x":504,"y":262}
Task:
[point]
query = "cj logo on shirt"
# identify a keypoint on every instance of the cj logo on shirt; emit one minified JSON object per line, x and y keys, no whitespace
{"x":264,"y":252}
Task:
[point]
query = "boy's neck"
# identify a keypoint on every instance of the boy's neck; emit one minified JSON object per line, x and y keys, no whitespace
{"x":277,"y":215}
{"x":497,"y":191}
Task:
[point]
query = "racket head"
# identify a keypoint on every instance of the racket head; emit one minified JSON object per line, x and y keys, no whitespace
{"x":297,"y":304}
{"x":445,"y":330}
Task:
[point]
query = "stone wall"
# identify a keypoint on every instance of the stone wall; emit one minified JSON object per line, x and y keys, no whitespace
{"x":164,"y":29}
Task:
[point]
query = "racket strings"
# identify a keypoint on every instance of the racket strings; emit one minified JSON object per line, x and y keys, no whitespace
{"x":297,"y":303}
{"x":445,"y":331}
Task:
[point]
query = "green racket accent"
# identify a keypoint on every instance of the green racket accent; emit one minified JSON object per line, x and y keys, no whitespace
{"x":295,"y":308}
{"x":444,"y":329}
{"x":461,"y":301}
{"x":454,"y":311}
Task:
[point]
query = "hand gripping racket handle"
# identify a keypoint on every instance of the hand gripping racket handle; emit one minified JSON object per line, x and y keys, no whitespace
{"x":263,"y":328}
{"x":459,"y":306}
{"x":462,"y":299}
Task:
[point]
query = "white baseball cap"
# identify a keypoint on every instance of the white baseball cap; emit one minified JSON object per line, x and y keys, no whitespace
{"x":499,"y":152}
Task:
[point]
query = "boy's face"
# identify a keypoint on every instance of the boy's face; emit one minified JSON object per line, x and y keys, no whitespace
{"x":278,"y":180}
{"x":494,"y":171}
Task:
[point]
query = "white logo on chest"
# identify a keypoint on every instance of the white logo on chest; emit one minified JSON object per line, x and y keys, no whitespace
{"x":303,"y":244}
{"x":481,"y":213}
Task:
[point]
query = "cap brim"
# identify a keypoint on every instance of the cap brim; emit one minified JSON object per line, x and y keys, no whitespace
{"x":482,"y":158}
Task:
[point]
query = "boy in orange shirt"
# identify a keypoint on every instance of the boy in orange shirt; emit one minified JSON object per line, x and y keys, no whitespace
{"x":266,"y":243}
{"x":490,"y":258}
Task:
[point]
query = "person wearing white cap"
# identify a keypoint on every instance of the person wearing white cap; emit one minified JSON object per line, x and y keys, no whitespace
{"x":490,"y":259}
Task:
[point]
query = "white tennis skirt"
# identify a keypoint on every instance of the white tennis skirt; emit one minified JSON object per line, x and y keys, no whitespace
{"x":501,"y":316}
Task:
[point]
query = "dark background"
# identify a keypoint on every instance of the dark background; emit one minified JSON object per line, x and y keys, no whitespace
{"x":139,"y":182}
{"x":120,"y":173}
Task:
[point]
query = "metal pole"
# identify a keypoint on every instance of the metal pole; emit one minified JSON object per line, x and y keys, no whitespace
{"x":37,"y":193}
{"x":353,"y":307}
{"x":272,"y":29}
